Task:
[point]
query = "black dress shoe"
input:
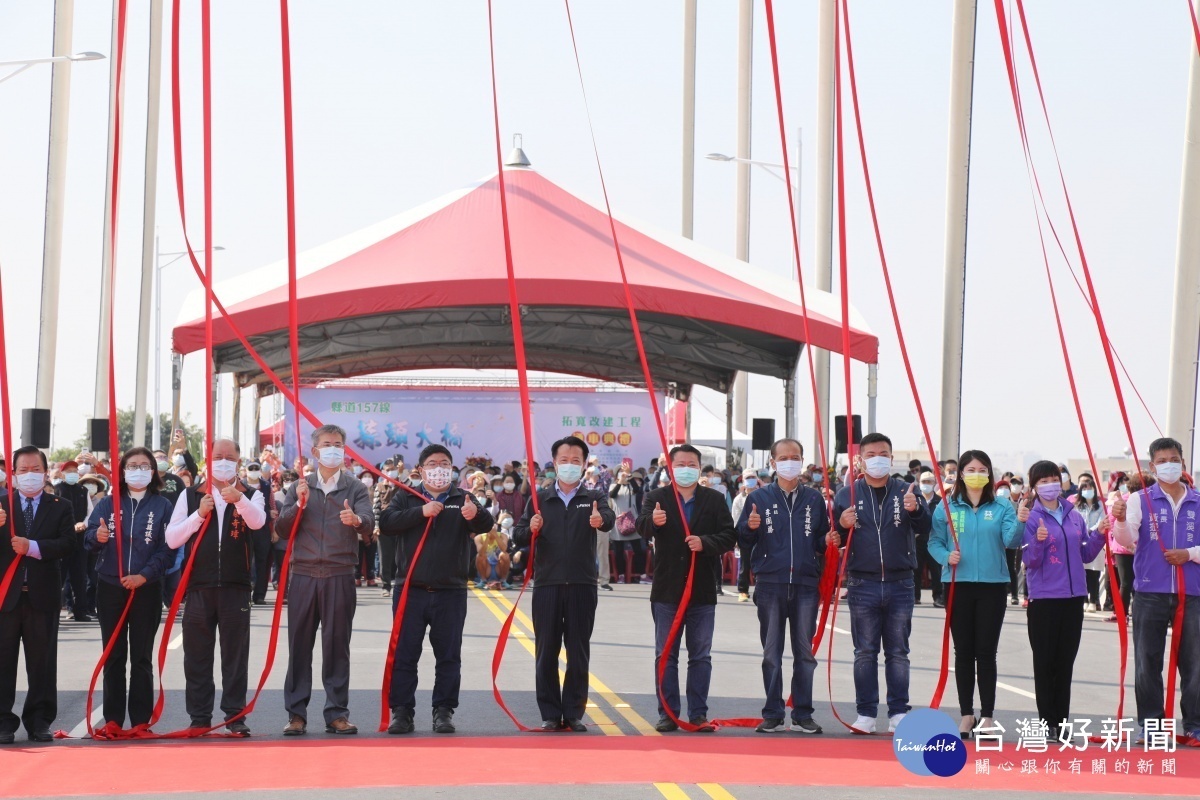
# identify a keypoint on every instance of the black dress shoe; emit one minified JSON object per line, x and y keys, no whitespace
{"x":41,"y":735}
{"x":6,"y":737}
{"x":238,"y":728}
{"x":82,"y":618}
{"x":575,"y":725}
{"x":200,"y":723}
{"x":547,"y":725}
{"x":665,"y":725}
{"x":402,"y":722}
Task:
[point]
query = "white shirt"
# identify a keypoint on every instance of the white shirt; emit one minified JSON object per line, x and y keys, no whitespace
{"x":1126,"y":533}
{"x":331,"y":485}
{"x":184,"y":525}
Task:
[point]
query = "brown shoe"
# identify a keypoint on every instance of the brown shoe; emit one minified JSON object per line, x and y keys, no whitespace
{"x":341,"y":725}
{"x":297,"y":726}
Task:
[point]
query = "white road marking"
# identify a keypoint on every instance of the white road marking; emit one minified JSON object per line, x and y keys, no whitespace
{"x":81,"y":729}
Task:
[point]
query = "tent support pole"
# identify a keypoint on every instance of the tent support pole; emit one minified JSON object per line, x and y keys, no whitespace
{"x":176,"y":381}
{"x":789,"y":406}
{"x":256,"y":445}
{"x":729,"y":428}
{"x":237,"y":409}
{"x":872,"y":395}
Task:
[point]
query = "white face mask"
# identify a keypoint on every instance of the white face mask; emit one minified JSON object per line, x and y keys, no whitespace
{"x":179,"y":461}
{"x":138,"y":478}
{"x":254,"y":474}
{"x":568,"y":474}
{"x":392,"y":473}
{"x":927,"y":488}
{"x":331,"y":457}
{"x":437,"y":477}
{"x":509,"y":486}
{"x":31,"y":482}
{"x":877,"y":466}
{"x":788,"y":470}
{"x":224,"y":470}
{"x":1168,"y":471}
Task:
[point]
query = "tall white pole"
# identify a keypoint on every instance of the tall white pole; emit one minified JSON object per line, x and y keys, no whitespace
{"x":56,"y":180}
{"x":149,"y":239}
{"x":156,"y":428}
{"x":823,"y":246}
{"x":958,"y":168}
{"x":1185,"y":315}
{"x":689,"y":116}
{"x":745,"y":54}
{"x":116,"y":91}
{"x":689,"y":144}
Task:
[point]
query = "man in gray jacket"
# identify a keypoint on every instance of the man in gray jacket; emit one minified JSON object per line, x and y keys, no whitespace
{"x":335,"y":511}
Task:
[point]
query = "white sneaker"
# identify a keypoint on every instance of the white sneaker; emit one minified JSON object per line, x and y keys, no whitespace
{"x":863,"y":724}
{"x":893,"y":721}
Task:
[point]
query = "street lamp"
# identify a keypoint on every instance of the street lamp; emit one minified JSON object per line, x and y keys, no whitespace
{"x":24,"y":64}
{"x":158,"y":268}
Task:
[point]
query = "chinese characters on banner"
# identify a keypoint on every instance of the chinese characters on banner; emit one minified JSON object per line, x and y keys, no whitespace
{"x":381,"y":423}
{"x":1111,"y":748}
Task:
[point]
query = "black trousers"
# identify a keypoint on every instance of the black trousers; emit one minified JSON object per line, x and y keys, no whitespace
{"x":135,"y":644}
{"x":37,"y":632}
{"x":261,"y":540}
{"x":975,"y":623}
{"x":1055,"y":627}
{"x":223,"y":610}
{"x":1124,"y":564}
{"x":443,"y":612}
{"x":387,"y":559}
{"x":75,"y":583}
{"x":743,"y":586}
{"x":926,"y":562}
{"x":1014,"y":570}
{"x":563,"y":615}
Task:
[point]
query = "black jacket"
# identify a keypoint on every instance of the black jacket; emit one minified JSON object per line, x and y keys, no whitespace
{"x":77,"y":496}
{"x":221,"y":560}
{"x":884,"y":544}
{"x":446,"y":557}
{"x":710,"y":521}
{"x":566,"y":546}
{"x":54,"y":531}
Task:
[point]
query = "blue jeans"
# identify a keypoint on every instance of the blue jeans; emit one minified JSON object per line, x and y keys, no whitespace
{"x":1151,"y":613}
{"x":880,"y":612}
{"x":697,"y":626}
{"x":781,"y":605}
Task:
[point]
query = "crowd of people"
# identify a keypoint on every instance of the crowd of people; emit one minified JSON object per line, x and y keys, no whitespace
{"x":577,"y":526}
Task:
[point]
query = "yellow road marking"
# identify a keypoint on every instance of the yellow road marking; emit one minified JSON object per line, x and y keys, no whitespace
{"x":602,"y":720}
{"x":716,"y":791}
{"x":624,"y":709}
{"x":671,"y":791}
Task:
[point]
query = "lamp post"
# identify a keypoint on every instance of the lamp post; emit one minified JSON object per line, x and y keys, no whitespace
{"x":25,"y":63}
{"x":159,"y":266}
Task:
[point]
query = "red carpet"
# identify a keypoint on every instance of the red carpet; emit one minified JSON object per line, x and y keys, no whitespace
{"x":317,"y":762}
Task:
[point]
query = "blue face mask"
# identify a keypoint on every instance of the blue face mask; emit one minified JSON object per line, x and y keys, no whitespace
{"x":686,"y":476}
{"x":71,"y":478}
{"x":569,"y":474}
{"x":751,"y":482}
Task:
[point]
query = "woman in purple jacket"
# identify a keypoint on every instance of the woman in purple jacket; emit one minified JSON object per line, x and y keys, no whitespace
{"x":1057,"y":545}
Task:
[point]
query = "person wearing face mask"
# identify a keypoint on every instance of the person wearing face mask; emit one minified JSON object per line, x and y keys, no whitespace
{"x":509,"y":500}
{"x":1058,"y":543}
{"x":709,"y":534}
{"x":384,"y":491}
{"x":1068,"y":486}
{"x":43,"y":534}
{"x":335,"y":512}
{"x":630,"y":550}
{"x":279,"y":543}
{"x":1168,"y":551}
{"x":885,"y":517}
{"x":221,"y":584}
{"x":260,"y":537}
{"x":782,"y":530}
{"x":172,"y":485}
{"x":74,"y":565}
{"x":750,"y":482}
{"x":1087,"y":502}
{"x":437,"y":595}
{"x":975,"y":557}
{"x":492,"y":561}
{"x":368,"y":548}
{"x":137,"y":567}
{"x":927,"y":564}
{"x":567,"y":521}
{"x":1119,"y":487}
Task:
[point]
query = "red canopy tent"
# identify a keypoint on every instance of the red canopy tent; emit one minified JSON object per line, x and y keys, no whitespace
{"x":428,"y":289}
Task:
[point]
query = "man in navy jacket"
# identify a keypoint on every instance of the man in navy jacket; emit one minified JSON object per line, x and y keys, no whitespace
{"x":881,"y":561}
{"x":782,"y":528}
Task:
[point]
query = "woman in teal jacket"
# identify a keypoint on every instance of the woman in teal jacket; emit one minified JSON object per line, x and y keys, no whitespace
{"x":984,"y":525}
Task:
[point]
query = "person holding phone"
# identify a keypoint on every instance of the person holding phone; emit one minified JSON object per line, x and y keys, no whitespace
{"x":976,"y":559}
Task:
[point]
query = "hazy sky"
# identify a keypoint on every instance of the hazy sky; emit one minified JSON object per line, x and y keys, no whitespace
{"x":393,"y":108}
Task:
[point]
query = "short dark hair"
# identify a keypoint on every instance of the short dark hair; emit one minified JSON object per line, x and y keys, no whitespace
{"x":874,"y":438}
{"x":433,"y":450}
{"x":960,"y":486}
{"x":156,"y":481}
{"x":683,"y":448}
{"x":30,"y":450}
{"x":914,"y":464}
{"x":949,"y":461}
{"x":569,"y":441}
{"x":775,"y":445}
{"x":1043,"y":469}
{"x":1165,"y":443}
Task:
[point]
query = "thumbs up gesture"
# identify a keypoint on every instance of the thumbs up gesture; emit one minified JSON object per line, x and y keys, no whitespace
{"x":595,"y":520}
{"x":1023,"y":510}
{"x":754,"y":520}
{"x":469,"y":509}
{"x":1042,"y":533}
{"x":910,"y":498}
{"x":659,"y":517}
{"x":348,"y":516}
{"x":102,"y":533}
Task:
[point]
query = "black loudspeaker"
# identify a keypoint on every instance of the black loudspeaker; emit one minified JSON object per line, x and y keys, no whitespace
{"x":762,"y":433}
{"x":839,"y":431}
{"x":35,"y":427}
{"x":98,"y":435}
